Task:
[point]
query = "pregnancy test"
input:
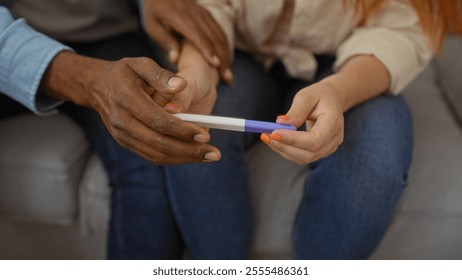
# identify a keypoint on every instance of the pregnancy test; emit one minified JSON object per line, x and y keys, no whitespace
{"x":234,"y":124}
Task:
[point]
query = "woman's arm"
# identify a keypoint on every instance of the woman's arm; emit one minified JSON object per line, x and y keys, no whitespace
{"x":360,"y":79}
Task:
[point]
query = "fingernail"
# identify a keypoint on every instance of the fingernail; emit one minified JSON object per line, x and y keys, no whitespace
{"x":265,"y":138}
{"x":284,"y":117}
{"x":215,"y":60}
{"x":212,"y":156}
{"x":228,"y":75}
{"x":276,"y":137}
{"x":172,"y":105}
{"x":174,"y":82}
{"x":173,"y":55}
{"x":201,"y":138}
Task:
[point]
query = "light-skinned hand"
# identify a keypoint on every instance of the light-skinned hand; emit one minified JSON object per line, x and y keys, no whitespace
{"x":319,"y":107}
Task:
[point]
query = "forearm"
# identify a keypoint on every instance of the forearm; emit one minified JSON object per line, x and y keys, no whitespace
{"x":360,"y":79}
{"x":191,"y":58}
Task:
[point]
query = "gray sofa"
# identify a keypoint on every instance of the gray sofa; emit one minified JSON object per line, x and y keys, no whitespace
{"x":54,"y":196}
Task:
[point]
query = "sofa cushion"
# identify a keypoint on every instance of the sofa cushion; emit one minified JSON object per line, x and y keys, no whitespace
{"x":276,"y":190}
{"x":449,"y":69}
{"x":434,"y":179}
{"x":94,"y":199}
{"x":427,"y":223}
{"x":41,"y":164}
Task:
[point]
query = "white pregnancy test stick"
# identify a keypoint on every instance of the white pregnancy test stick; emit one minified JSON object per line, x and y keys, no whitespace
{"x":234,"y":124}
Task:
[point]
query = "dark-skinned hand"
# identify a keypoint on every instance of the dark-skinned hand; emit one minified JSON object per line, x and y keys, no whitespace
{"x":164,"y":19}
{"x":124,"y":94}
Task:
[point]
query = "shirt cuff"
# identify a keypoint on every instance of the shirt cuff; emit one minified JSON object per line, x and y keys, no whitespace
{"x":25,"y":55}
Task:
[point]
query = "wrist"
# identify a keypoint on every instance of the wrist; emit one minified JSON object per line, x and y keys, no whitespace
{"x":73,"y":77}
{"x":335,"y":89}
{"x":190,"y":58}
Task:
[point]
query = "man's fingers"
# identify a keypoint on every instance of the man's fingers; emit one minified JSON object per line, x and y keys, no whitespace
{"x":195,"y":32}
{"x":219,"y":42}
{"x":163,"y":37}
{"x":158,"y":120}
{"x":167,"y":150}
{"x":134,"y":103}
{"x":215,"y":37}
{"x":164,"y":19}
{"x":155,"y":145}
{"x":158,"y":78}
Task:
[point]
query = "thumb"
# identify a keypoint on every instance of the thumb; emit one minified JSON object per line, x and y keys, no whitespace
{"x":302,"y":106}
{"x":158,"y":78}
{"x":163,"y":80}
{"x":180,"y":102}
{"x":163,"y":37}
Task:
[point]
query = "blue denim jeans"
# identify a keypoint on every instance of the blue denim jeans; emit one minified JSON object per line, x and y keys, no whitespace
{"x":142,"y":224}
{"x":348,"y":199}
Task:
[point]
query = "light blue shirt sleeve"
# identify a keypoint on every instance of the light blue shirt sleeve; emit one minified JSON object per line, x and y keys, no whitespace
{"x":24,"y":57}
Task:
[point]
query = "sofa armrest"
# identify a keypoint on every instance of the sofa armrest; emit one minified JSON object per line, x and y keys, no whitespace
{"x":41,"y":165}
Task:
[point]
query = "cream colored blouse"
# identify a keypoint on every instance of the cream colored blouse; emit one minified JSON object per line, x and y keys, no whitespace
{"x":293,"y":31}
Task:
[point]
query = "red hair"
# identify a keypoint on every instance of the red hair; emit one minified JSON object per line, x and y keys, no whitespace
{"x":437,"y":17}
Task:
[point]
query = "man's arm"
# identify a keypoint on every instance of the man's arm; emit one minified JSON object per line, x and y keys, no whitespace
{"x":24,"y":56}
{"x":126,"y":95}
{"x":123,"y":93}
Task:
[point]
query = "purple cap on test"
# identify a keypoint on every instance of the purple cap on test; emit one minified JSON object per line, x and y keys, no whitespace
{"x":265,"y":127}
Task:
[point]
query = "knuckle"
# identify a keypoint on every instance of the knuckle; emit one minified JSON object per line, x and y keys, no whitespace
{"x":297,"y":114}
{"x":160,"y":74}
{"x":144,"y":64}
{"x":197,"y":152}
{"x":303,"y":94}
{"x":117,"y":98}
{"x":162,"y":144}
{"x":167,"y":126}
{"x":124,"y":61}
{"x":316,"y":146}
{"x":159,"y":123}
{"x":121,"y":139}
{"x":117,"y":123}
{"x":159,"y":158}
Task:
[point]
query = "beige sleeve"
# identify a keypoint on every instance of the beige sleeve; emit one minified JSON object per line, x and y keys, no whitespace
{"x":395,"y":38}
{"x":223,"y":13}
